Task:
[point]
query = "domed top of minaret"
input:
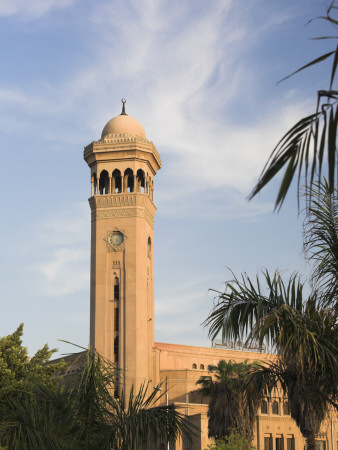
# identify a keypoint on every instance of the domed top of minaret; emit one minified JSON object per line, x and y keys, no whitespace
{"x":123,"y":124}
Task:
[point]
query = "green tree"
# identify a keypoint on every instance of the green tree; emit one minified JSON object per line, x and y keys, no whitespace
{"x":235,"y":441}
{"x":310,"y":145}
{"x":87,"y":414}
{"x":17,"y":369}
{"x":230,"y":406}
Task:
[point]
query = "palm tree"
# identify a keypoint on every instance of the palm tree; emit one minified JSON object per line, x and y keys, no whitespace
{"x":229,"y":408}
{"x":304,"y":335}
{"x":309,"y":391}
{"x":89,"y":415}
{"x":302,"y":331}
{"x":312,"y":140}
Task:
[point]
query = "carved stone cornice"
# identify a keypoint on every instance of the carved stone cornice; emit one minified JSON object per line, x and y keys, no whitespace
{"x":124,"y":142}
{"x":274,"y":418}
{"x":98,"y":214}
{"x":121,"y":200}
{"x":123,"y":137}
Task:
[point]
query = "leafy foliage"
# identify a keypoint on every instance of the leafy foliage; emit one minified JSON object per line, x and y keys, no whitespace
{"x":234,"y":441}
{"x":310,"y":145}
{"x":17,"y":369}
{"x":88,"y":415}
{"x":230,"y":406}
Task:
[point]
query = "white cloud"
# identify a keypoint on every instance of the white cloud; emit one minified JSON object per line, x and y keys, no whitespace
{"x":182,"y":69}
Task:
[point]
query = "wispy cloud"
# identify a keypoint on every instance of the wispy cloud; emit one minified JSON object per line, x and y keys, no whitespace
{"x":63,"y":240}
{"x":182,"y":69}
{"x":31,"y":9}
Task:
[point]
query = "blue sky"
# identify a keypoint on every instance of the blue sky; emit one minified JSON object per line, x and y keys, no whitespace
{"x":201,"y":78}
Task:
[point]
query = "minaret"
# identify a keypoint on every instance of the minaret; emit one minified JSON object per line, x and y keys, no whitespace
{"x":123,"y":164}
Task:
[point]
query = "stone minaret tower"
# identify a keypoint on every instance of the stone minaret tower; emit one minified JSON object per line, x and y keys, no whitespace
{"x":123,"y":164}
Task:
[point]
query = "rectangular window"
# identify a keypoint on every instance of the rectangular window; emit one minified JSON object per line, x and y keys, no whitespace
{"x":280,"y":443}
{"x":320,"y":445}
{"x":275,"y":407}
{"x":116,"y":292}
{"x":264,"y":407}
{"x":286,"y":408}
{"x":116,"y":319}
{"x":116,"y":346}
{"x":268,"y":443}
{"x":290,"y":443}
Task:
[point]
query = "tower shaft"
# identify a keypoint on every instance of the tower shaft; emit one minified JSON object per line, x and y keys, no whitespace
{"x":122,"y":267}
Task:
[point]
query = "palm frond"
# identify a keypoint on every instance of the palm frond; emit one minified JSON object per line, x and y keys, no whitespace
{"x":310,"y":144}
{"x":240,"y":308}
{"x":321,"y":241}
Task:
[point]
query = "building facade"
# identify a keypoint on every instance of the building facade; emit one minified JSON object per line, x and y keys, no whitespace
{"x":123,"y":165}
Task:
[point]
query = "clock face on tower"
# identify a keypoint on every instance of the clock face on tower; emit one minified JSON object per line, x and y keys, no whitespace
{"x":116,"y":238}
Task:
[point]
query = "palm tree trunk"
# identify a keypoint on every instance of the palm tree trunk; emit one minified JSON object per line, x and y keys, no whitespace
{"x":310,"y":442}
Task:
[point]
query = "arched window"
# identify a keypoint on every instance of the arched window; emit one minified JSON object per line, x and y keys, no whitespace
{"x":140,"y":181}
{"x":286,"y":408}
{"x":128,"y":181}
{"x":104,"y":182}
{"x":116,"y":182}
{"x":275,"y":407}
{"x":202,"y":366}
{"x":264,"y":407}
{"x":149,"y":247}
{"x":209,"y":367}
{"x":194,"y":366}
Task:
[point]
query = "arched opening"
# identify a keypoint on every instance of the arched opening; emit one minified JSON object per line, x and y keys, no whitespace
{"x":128,"y":181}
{"x":116,"y":289}
{"x":194,"y":366}
{"x":202,"y":366}
{"x":116,"y":182}
{"x":140,"y":181}
{"x":149,"y":247}
{"x":104,"y":182}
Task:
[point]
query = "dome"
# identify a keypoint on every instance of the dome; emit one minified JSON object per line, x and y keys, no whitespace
{"x":123,"y":124}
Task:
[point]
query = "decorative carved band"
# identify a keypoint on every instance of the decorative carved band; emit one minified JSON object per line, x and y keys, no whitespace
{"x":123,"y":137}
{"x":118,"y":200}
{"x":126,"y":212}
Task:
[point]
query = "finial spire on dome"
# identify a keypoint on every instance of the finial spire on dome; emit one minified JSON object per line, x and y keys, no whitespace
{"x":123,"y":113}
